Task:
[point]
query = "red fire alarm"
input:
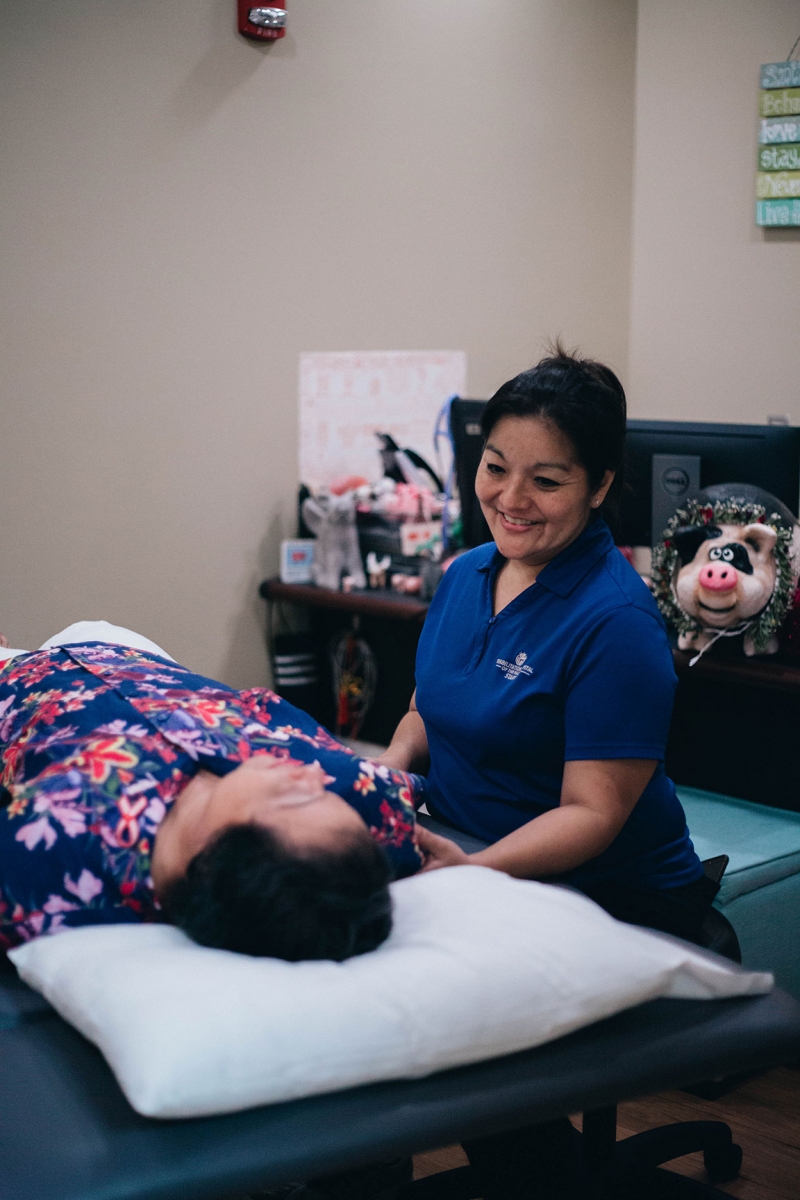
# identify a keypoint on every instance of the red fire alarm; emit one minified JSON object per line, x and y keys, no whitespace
{"x":261,"y":24}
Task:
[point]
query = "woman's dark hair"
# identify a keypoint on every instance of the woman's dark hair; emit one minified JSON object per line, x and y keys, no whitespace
{"x":584,"y":400}
{"x":248,"y":892}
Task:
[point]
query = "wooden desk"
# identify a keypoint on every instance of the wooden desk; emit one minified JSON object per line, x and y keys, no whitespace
{"x":735,"y":728}
{"x":389,"y":622}
{"x":390,"y":605}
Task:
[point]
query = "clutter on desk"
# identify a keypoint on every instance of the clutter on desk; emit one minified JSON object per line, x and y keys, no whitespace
{"x":377,"y":568}
{"x":393,"y":527}
{"x":406,"y":466}
{"x":410,"y":585}
{"x":419,"y":537}
{"x":385,"y":535}
{"x":332,"y":519}
{"x":728,"y":566}
{"x":297,"y":560}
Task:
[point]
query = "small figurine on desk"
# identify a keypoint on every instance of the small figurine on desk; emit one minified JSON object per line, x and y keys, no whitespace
{"x":332,"y":519}
{"x":409,"y":585}
{"x":377,"y":568}
{"x":728,"y":566}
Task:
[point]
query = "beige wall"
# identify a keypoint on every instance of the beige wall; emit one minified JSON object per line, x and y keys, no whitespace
{"x":715,"y":302}
{"x":184,"y":212}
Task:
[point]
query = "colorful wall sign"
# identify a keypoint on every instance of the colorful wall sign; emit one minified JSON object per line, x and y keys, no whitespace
{"x":779,"y":131}
{"x":784,"y":102}
{"x":781,"y":75}
{"x":778,"y":177}
{"x":779,"y":158}
{"x":778,"y":212}
{"x":778,"y":185}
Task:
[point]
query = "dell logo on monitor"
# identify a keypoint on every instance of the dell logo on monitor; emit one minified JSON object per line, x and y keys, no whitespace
{"x":675,"y":481}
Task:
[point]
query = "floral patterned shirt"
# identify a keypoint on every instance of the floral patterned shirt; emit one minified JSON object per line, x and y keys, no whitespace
{"x":96,"y":742}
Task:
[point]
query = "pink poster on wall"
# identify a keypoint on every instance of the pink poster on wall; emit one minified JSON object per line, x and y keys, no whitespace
{"x":346,"y":397}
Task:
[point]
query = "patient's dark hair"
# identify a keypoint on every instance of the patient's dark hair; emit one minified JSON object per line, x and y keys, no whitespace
{"x":248,"y":892}
{"x":584,"y":400}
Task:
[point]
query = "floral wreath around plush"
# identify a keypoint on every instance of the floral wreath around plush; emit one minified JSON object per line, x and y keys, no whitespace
{"x":765,"y":624}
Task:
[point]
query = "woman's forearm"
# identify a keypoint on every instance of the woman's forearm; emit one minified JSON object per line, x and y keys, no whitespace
{"x":557,"y":841}
{"x":408,"y":750}
{"x":597,"y":797}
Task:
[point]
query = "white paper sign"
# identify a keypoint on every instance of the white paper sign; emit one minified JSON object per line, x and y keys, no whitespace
{"x":346,"y":397}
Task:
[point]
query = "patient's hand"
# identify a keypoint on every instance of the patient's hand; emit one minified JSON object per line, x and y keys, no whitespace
{"x":439,"y":851}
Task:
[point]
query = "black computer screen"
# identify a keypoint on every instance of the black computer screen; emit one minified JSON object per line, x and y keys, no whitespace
{"x":766,"y":456}
{"x":465,"y":429}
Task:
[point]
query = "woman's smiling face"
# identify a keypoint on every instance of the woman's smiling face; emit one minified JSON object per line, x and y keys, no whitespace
{"x":534,"y":494}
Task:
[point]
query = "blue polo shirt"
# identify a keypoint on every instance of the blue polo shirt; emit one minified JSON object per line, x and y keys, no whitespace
{"x":576,"y":667}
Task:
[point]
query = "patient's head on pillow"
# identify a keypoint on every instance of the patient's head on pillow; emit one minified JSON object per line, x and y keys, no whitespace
{"x":250,"y":891}
{"x":265,"y":860}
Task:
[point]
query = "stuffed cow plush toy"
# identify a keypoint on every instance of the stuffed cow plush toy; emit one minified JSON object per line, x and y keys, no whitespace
{"x":728,"y":566}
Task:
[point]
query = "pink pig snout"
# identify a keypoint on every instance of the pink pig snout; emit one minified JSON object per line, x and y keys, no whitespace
{"x":719,"y":577}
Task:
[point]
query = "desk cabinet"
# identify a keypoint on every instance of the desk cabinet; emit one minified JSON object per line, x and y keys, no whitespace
{"x":389,"y":622}
{"x":735,"y":728}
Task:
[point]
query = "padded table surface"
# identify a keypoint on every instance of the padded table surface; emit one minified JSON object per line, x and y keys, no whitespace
{"x":67,"y":1132}
{"x":763,"y":843}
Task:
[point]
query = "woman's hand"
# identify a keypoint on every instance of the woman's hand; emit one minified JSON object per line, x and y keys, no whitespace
{"x":439,"y":851}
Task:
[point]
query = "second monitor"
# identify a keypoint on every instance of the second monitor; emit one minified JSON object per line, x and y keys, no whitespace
{"x":666,"y":461}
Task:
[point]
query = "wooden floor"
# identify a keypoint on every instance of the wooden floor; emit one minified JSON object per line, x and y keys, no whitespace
{"x":764,"y":1114}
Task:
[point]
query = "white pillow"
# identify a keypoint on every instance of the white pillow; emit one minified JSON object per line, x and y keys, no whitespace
{"x":103,"y":631}
{"x":93,"y":631}
{"x":478,"y":965}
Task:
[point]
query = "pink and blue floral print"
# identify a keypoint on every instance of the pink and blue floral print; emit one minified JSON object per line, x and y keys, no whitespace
{"x":97,"y":740}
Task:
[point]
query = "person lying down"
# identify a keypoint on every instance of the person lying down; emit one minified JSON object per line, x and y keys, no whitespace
{"x":135,"y":790}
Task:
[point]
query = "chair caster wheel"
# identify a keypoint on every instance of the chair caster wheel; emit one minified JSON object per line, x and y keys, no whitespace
{"x":723,"y":1165}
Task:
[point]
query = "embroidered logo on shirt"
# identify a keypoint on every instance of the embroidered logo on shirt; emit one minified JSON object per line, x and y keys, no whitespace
{"x":518,"y":667}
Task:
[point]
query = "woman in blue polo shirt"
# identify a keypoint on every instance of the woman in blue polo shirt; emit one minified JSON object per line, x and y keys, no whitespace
{"x":544,"y":694}
{"x":544,"y":676}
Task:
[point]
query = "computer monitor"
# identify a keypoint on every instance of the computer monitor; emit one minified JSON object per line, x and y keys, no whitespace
{"x":666,"y":461}
{"x":689,"y":455}
{"x":465,"y":430}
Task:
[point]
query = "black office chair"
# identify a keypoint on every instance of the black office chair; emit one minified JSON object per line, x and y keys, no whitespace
{"x":611,"y":1169}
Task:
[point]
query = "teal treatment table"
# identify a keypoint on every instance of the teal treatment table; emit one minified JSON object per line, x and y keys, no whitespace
{"x":760,"y":893}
